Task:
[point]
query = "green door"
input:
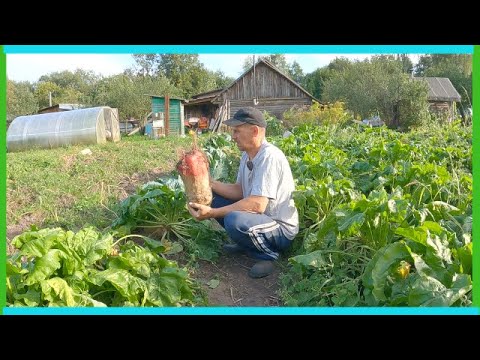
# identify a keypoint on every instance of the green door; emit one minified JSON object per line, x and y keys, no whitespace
{"x":174,"y":123}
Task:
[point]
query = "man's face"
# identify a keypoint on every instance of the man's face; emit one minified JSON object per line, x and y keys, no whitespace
{"x":243,"y":136}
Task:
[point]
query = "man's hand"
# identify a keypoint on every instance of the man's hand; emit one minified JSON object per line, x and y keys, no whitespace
{"x":199,"y":211}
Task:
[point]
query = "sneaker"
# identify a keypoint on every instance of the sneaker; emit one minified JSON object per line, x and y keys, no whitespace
{"x":261,"y":269}
{"x":233,"y":249}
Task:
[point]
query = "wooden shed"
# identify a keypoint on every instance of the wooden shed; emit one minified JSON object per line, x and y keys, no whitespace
{"x":169,"y":111}
{"x":60,"y":108}
{"x":442,"y":96}
{"x":263,"y":86}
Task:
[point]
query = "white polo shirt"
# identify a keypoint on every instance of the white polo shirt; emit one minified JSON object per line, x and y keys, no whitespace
{"x":271,"y":177}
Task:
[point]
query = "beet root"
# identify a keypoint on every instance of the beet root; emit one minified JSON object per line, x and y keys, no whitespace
{"x":194,"y":171}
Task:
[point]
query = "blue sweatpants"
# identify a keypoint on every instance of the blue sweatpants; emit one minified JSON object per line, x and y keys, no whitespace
{"x":260,"y":236}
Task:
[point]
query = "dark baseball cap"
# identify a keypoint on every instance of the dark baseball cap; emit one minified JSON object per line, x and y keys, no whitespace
{"x":247,"y":115}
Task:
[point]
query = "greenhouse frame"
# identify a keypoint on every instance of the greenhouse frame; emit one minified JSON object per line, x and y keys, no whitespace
{"x":95,"y":125}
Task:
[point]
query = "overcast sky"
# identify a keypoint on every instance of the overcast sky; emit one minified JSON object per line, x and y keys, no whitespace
{"x":29,"y":67}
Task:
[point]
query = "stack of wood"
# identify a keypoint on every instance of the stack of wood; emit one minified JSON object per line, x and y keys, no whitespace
{"x":220,"y":116}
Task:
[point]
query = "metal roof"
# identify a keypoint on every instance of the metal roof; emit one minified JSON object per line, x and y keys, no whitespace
{"x":162,"y":96}
{"x":207,"y":94}
{"x":64,"y":107}
{"x":204,"y":97}
{"x":212,"y":95}
{"x":440,"y":89}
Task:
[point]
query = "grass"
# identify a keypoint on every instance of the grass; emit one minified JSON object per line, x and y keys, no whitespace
{"x":62,"y":187}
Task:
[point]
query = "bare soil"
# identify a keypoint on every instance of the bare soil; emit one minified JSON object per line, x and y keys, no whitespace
{"x":130,"y":184}
{"x":23,"y":225}
{"x":235,"y":287}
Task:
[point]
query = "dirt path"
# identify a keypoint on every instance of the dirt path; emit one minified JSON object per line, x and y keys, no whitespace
{"x":235,"y":287}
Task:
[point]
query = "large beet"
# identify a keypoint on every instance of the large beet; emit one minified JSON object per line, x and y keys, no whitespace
{"x":193,"y":168}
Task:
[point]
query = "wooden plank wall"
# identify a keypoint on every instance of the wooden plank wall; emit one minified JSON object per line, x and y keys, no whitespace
{"x":439,"y":106}
{"x":274,"y":106}
{"x":443,"y":107}
{"x":268,"y":84}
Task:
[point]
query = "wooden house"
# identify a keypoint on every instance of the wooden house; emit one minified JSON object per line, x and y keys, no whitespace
{"x":442,"y":96}
{"x":262,"y":86}
{"x":60,"y":108}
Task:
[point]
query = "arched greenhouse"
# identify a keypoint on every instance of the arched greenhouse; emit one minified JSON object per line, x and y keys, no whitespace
{"x":83,"y":126}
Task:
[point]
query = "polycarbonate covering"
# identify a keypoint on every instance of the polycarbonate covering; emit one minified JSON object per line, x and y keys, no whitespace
{"x":82,"y":126}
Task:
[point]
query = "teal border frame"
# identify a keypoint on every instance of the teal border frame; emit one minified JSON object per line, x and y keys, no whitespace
{"x":3,"y":178}
{"x":241,"y":311}
{"x":237,"y":49}
{"x":475,"y":174}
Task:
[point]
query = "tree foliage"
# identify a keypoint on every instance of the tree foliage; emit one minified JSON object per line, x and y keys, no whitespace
{"x":43,"y":90}
{"x":146,"y":64}
{"x":184,"y":71}
{"x":130,"y":93}
{"x":77,"y":87}
{"x":378,"y":86}
{"x":296,"y":72}
{"x":154,"y":74}
{"x":407,"y":65}
{"x":20,"y":99}
{"x":339,"y":64}
{"x":316,"y":115}
{"x":314,"y":82}
{"x":221,"y":80}
{"x":293,"y":70}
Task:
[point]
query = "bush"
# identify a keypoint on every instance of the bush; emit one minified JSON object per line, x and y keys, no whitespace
{"x":316,"y":114}
{"x":274,"y":126}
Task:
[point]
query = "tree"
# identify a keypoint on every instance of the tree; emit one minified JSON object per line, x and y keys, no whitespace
{"x":294,"y":71}
{"x":20,"y":99}
{"x":280,"y":62}
{"x":187,"y":73}
{"x":407,"y":65}
{"x":352,"y":85}
{"x":221,"y":80}
{"x":314,"y":81}
{"x":184,"y":71}
{"x":76,"y":87}
{"x":379,"y":87}
{"x":43,"y":91}
{"x":248,"y":63}
{"x":428,"y":63}
{"x":130,"y":93}
{"x":146,"y":64}
{"x":412,"y":104}
{"x":79,"y":79}
{"x":424,"y":63}
{"x":339,"y":64}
